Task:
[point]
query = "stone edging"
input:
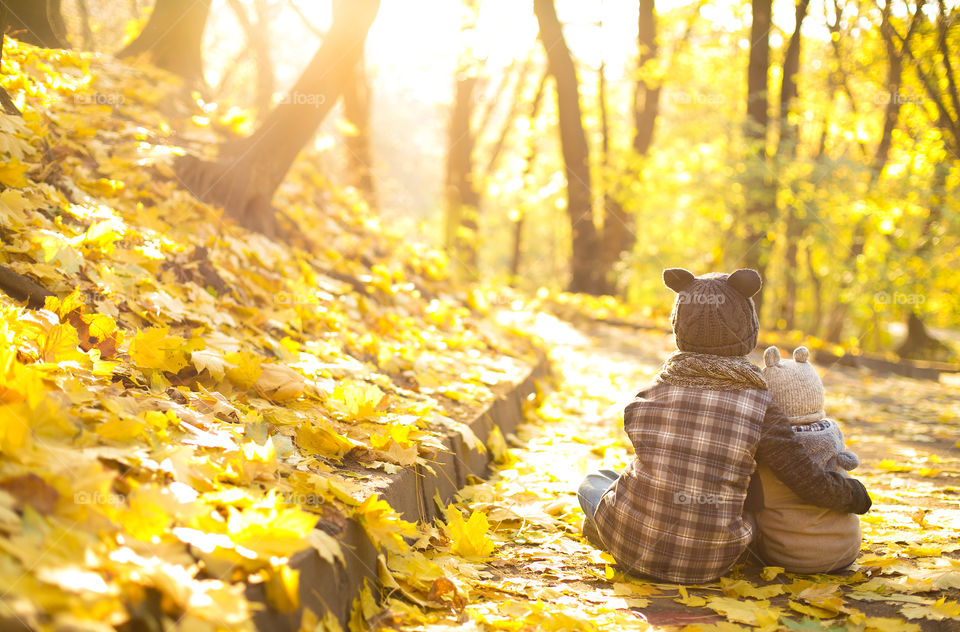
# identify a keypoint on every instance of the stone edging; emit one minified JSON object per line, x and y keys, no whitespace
{"x":332,"y":587}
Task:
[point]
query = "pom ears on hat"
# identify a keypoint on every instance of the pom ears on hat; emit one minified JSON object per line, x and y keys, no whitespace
{"x":771,"y":357}
{"x":745,"y":281}
{"x":677,"y":278}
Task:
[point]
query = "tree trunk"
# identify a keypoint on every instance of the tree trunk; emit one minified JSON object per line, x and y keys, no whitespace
{"x":490,"y":104}
{"x":248,"y":173}
{"x":941,"y":90}
{"x":817,"y":284}
{"x":891,"y":115}
{"x":573,"y":141}
{"x":356,"y":110}
{"x":508,"y":119}
{"x":527,"y":170}
{"x":919,"y":344}
{"x":258,"y":39}
{"x":787,"y":153}
{"x":173,"y":38}
{"x":760,"y":193}
{"x":9,"y":107}
{"x":462,"y":199}
{"x":37,"y":22}
{"x":86,"y":33}
{"x":646,"y":96}
{"x":617,"y":225}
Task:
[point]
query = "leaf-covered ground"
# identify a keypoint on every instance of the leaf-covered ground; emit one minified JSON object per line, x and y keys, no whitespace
{"x":194,"y":397}
{"x":541,"y":575}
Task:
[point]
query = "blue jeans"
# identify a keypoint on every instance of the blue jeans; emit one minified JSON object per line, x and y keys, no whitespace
{"x":594,"y":485}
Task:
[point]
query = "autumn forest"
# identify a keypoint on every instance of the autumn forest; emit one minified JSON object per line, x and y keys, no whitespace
{"x":398,"y":315}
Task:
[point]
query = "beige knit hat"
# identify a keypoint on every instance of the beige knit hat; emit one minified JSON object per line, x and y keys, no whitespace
{"x":795,"y":385}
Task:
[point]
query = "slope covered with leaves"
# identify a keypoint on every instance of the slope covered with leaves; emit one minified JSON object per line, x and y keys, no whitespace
{"x":528,"y":568}
{"x":179,"y":415}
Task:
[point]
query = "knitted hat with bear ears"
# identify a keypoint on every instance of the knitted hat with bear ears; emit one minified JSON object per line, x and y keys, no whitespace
{"x":794,"y":385}
{"x":714,"y":313}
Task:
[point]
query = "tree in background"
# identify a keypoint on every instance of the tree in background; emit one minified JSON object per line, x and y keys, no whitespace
{"x":461,"y":199}
{"x":786,"y":153}
{"x":173,"y":38}
{"x":585,"y":275}
{"x":935,"y":70}
{"x":356,"y":113}
{"x":895,"y":56}
{"x":257,"y":31}
{"x":646,"y":94}
{"x":619,"y":225}
{"x":518,"y":216}
{"x":760,"y":194}
{"x":467,"y":170}
{"x":248,"y":172}
{"x":36,"y":22}
{"x":6,"y":103}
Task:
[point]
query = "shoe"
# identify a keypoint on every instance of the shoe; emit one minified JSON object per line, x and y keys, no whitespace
{"x":591,"y":534}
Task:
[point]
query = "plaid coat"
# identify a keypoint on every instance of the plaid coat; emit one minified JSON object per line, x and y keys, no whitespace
{"x":676,"y":511}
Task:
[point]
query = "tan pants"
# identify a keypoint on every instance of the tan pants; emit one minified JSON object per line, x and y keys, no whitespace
{"x":800,"y":537}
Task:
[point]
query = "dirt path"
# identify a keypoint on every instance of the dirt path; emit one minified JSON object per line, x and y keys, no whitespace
{"x":543,"y":576}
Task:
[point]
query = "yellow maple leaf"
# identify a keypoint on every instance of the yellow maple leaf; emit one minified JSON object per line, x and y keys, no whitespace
{"x":12,"y":207}
{"x":14,"y":428}
{"x":60,"y":344}
{"x":689,"y":600}
{"x":937,"y":611}
{"x":770,"y":572}
{"x":743,"y":588}
{"x":747,"y":611}
{"x":356,"y":400}
{"x":382,"y":523}
{"x":395,"y":434}
{"x":469,"y":538}
{"x":155,"y":348}
{"x":212,"y":361}
{"x":245,"y":369}
{"x":121,"y":429}
{"x":810,"y":611}
{"x":316,"y":438}
{"x":12,"y":172}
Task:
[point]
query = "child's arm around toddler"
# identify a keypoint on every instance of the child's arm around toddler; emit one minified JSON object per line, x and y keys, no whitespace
{"x":781,"y":451}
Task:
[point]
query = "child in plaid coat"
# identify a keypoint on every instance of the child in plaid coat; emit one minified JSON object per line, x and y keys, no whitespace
{"x":699,"y":430}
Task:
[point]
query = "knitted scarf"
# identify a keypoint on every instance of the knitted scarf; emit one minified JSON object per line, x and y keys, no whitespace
{"x":711,"y":372}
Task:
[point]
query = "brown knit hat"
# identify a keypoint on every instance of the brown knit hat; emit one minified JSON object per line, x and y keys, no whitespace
{"x":714,"y":313}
